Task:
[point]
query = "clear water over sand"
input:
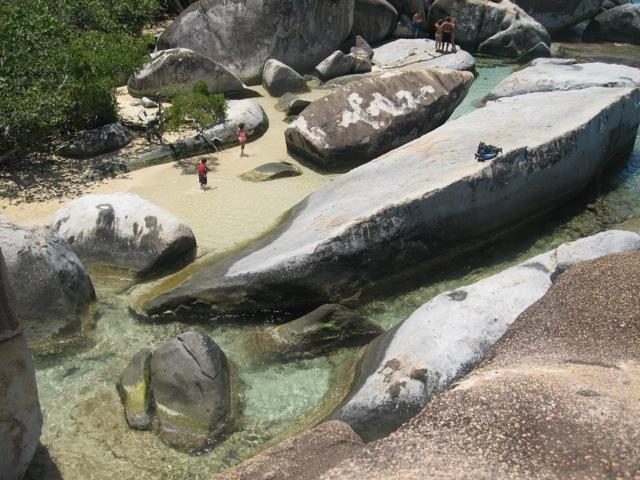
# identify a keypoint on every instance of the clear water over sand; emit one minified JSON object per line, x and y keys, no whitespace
{"x":84,"y":425}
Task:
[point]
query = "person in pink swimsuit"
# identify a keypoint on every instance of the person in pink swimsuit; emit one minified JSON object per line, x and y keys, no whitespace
{"x":242,"y":138}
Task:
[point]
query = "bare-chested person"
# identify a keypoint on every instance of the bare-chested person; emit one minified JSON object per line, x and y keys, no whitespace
{"x":439,"y":35}
{"x":449,"y":34}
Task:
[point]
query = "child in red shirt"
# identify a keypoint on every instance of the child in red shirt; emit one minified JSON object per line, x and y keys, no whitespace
{"x":202,"y":173}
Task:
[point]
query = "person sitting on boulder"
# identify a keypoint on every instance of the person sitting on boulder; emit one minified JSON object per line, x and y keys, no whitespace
{"x":416,"y":23}
{"x":439,"y":34}
{"x":202,"y":173}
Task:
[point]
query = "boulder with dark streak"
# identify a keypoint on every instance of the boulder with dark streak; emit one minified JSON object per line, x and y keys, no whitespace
{"x":374,"y":20}
{"x":555,"y":15}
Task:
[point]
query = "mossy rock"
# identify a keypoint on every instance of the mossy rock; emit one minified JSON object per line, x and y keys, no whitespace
{"x":133,"y":388}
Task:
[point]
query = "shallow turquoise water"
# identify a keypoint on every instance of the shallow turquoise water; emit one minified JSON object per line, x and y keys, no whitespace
{"x":84,"y":425}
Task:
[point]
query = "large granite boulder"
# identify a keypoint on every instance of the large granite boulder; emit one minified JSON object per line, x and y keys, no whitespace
{"x":494,"y":28}
{"x":425,"y":199}
{"x":20,"y":415}
{"x":556,"y":396}
{"x":278,"y":79}
{"x":53,"y":289}
{"x":609,"y":4}
{"x":619,"y":24}
{"x":366,"y":118}
{"x":291,"y":104}
{"x":169,"y":70}
{"x":408,"y":8}
{"x":190,"y":383}
{"x":246,"y":111}
{"x":335,"y":65}
{"x":374,"y":20}
{"x":305,"y":456}
{"x":555,"y":15}
{"x":107,"y":138}
{"x":243,"y":34}
{"x":411,"y":54}
{"x":327,"y":327}
{"x":402,"y":370}
{"x":125,"y":230}
{"x":551,"y":76}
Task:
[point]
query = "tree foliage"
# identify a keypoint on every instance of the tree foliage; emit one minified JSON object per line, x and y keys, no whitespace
{"x":195,"y":105}
{"x":60,"y":61}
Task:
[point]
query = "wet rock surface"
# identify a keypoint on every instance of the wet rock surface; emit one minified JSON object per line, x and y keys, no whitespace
{"x":134,"y":391}
{"x":107,"y":138}
{"x":176,"y":68}
{"x":125,"y":230}
{"x":398,"y":210}
{"x":303,"y":457}
{"x":242,"y":34}
{"x":20,"y":415}
{"x":619,"y":24}
{"x":494,"y":28}
{"x":550,"y":76}
{"x":368,"y":117}
{"x":558,"y":392}
{"x":53,"y":289}
{"x":405,"y":367}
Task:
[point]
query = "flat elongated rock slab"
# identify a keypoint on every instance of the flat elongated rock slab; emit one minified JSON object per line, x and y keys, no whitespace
{"x":410,"y":53}
{"x":548,"y":76}
{"x":556,"y":397}
{"x":125,"y":230}
{"x":366,"y":118}
{"x":405,"y":367}
{"x":243,"y":34}
{"x":424,"y":199}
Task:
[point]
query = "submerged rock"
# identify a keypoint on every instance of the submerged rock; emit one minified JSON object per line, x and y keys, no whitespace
{"x":327,"y":327}
{"x":619,"y":24}
{"x":243,"y":34}
{"x":552,"y":76}
{"x":405,"y":367}
{"x":304,"y":456}
{"x":493,"y":28}
{"x":271,"y":171}
{"x":374,"y":20}
{"x":418,"y":202}
{"x":555,"y":15}
{"x":557,"y":394}
{"x":190,"y":381}
{"x":53,"y":289}
{"x":366,"y":118}
{"x":125,"y":230}
{"x":171,"y":70}
{"x":94,"y":142}
{"x":134,"y":391}
{"x":20,"y":415}
{"x":410,"y":53}
{"x":278,"y":79}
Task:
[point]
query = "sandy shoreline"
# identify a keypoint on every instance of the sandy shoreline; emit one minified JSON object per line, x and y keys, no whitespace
{"x":231,"y":211}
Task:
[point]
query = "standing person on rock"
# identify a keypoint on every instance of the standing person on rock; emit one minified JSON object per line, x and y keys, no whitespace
{"x":439,"y":34}
{"x":242,"y":138}
{"x":416,"y":23}
{"x":448,"y":34}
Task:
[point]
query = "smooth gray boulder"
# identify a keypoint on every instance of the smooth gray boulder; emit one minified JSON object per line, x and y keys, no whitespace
{"x":411,"y":54}
{"x":360,"y":42}
{"x":243,"y":34}
{"x":190,"y":381}
{"x":107,"y":138}
{"x":327,"y":327}
{"x":53,"y":289}
{"x":125,"y":230}
{"x":291,"y":104}
{"x":374,"y":20}
{"x":271,"y":171}
{"x":410,"y":7}
{"x":366,"y":118}
{"x":420,"y":201}
{"x":619,"y":24}
{"x":20,"y":415}
{"x":493,"y":28}
{"x":278,"y":79}
{"x":335,"y":65}
{"x":547,"y":77}
{"x":134,"y":389}
{"x":609,"y":4}
{"x":405,"y":367}
{"x":361,"y":60}
{"x":176,"y":68}
{"x":555,"y":15}
{"x":341,"y":81}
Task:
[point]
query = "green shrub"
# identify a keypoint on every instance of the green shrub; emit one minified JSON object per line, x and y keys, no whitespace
{"x":107,"y":15}
{"x":197,"y":106}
